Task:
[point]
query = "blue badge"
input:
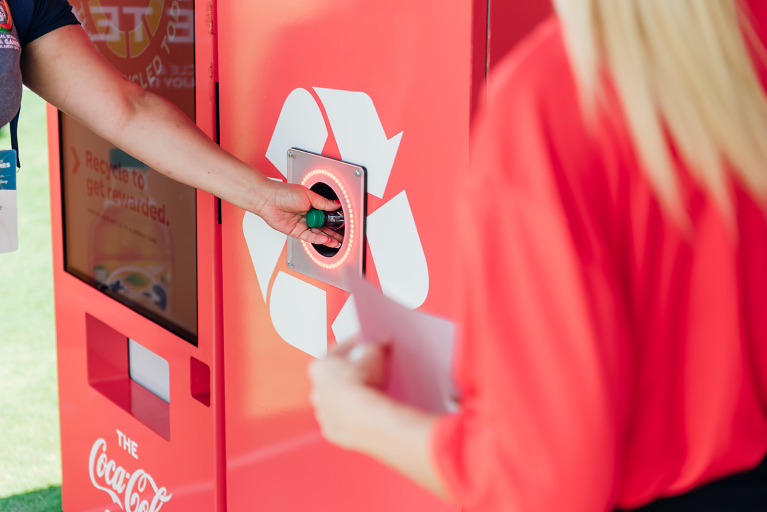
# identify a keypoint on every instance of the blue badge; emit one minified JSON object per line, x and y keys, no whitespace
{"x":8,"y":170}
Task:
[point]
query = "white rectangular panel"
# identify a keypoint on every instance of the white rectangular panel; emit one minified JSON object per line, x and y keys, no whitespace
{"x":149,"y":370}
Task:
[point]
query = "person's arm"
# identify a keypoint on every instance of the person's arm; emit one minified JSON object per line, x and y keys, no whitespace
{"x":65,"y":69}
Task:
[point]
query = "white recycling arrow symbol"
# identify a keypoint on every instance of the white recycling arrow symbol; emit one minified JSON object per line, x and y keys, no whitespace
{"x":392,"y":234}
{"x":300,"y":125}
{"x":360,"y":136}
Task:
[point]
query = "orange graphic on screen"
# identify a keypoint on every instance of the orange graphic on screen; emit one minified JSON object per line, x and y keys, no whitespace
{"x":151,"y":42}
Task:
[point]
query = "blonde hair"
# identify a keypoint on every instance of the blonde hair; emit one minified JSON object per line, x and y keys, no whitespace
{"x":684,"y":69}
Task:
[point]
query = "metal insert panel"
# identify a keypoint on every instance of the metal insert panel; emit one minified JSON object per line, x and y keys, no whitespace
{"x":348,"y":182}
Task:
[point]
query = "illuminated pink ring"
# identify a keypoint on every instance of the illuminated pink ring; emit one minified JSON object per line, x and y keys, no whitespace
{"x":348,"y":214}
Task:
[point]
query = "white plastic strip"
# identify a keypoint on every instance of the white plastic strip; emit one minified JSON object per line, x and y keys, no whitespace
{"x":149,"y":370}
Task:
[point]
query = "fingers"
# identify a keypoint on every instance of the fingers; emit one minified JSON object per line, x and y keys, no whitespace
{"x":343,"y":349}
{"x":333,"y":234}
{"x":325,"y":236}
{"x":336,"y":238}
{"x":318,"y":238}
{"x":357,"y":353}
{"x":351,"y":340}
{"x":369,"y":363}
{"x":323,"y":203}
{"x":365,"y":351}
{"x":354,"y":350}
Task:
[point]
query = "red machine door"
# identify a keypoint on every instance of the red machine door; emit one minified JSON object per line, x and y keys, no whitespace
{"x":136,"y":283}
{"x":381,"y":83}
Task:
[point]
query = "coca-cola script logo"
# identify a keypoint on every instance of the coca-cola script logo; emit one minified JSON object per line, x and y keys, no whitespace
{"x":118,"y":481}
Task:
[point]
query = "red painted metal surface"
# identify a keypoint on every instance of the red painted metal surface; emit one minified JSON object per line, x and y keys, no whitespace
{"x":416,"y":62}
{"x":190,"y":464}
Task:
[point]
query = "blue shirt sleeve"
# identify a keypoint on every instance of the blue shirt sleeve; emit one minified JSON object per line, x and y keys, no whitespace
{"x":35,"y":18}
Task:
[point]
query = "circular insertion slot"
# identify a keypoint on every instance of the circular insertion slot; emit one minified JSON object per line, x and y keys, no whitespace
{"x":333,"y":258}
{"x":327,"y":192}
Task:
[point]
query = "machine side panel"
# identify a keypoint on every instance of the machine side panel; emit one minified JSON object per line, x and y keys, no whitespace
{"x":385,"y":84}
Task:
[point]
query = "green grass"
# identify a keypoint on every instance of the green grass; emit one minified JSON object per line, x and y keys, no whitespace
{"x":30,"y":465}
{"x":44,"y":500}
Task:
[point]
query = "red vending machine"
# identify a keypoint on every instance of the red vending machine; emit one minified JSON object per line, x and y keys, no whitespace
{"x":365,"y":101}
{"x":137,"y":284}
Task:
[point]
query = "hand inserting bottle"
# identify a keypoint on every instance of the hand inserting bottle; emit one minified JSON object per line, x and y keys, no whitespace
{"x":329,"y":223}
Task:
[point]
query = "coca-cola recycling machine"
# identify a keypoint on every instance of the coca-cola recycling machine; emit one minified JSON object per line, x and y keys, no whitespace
{"x":137,"y":284}
{"x":184,"y":324}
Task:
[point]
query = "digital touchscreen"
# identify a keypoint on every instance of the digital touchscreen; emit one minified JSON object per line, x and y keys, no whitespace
{"x":130,"y":231}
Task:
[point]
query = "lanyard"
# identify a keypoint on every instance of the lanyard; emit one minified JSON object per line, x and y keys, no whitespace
{"x":15,"y":136}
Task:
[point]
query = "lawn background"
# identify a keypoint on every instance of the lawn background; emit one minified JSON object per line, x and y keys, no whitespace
{"x":30,"y":464}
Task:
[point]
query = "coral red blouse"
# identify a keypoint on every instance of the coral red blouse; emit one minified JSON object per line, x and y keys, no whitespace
{"x":607,"y":359}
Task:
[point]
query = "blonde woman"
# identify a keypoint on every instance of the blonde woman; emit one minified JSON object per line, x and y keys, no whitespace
{"x":615,"y":299}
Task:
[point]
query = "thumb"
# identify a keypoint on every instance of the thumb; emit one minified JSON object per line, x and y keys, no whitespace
{"x":343,"y":348}
{"x":323,"y":203}
{"x":370,"y":361}
{"x":367,"y":351}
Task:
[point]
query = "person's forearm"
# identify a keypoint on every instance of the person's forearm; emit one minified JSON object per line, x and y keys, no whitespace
{"x":156,"y":132}
{"x":159,"y":134}
{"x":143,"y":124}
{"x":400,"y":437}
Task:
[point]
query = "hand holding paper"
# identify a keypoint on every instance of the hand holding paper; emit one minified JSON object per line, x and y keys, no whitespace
{"x":421,"y":351}
{"x":351,"y":408}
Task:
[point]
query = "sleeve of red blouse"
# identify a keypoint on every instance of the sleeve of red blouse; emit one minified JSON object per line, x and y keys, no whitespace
{"x":542,"y":360}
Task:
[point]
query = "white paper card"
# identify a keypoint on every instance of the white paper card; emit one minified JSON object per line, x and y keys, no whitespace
{"x":9,"y":222}
{"x":422,"y":348}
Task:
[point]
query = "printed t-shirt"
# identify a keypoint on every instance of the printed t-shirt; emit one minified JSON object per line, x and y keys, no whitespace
{"x":10,"y":73}
{"x":21,"y":22}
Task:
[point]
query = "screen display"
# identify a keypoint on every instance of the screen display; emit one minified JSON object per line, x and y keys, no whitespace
{"x":128,"y":230}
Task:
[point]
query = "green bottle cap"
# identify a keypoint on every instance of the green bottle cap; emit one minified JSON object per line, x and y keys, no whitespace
{"x":315,"y":218}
